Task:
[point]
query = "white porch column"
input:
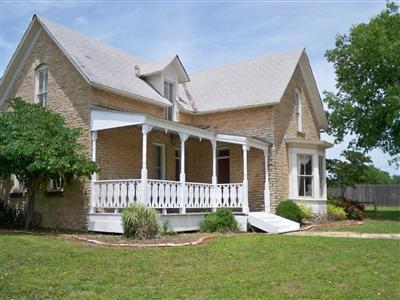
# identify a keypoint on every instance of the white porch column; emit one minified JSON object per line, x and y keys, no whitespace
{"x":245,"y":181}
{"x":214,"y":179}
{"x":94,"y":175}
{"x":144,"y":193}
{"x":182,"y":177}
{"x":267,"y":199}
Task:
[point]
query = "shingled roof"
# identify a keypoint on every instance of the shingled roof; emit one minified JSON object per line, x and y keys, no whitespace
{"x":250,"y":83}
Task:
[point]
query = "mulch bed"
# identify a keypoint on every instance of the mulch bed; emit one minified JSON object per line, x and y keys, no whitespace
{"x":117,"y":240}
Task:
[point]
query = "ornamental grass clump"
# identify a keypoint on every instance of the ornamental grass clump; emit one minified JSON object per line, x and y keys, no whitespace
{"x":222,"y":220}
{"x":140,"y":222}
{"x":289,"y":210}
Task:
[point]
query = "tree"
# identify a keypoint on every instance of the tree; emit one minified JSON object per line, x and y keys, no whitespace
{"x":367,"y":67}
{"x":36,"y":146}
{"x":349,"y":172}
{"x":373,"y":175}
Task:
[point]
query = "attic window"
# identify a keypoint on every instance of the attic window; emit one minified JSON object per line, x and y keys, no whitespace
{"x":169,"y":94}
{"x":298,"y":111}
{"x":41,"y":81}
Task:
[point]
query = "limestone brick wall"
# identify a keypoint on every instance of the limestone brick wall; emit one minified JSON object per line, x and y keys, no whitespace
{"x":285,"y":123}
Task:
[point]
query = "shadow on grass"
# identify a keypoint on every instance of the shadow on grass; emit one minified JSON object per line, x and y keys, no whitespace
{"x":384,"y":213}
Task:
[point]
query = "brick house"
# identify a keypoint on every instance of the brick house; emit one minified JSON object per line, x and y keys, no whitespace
{"x":244,"y":135}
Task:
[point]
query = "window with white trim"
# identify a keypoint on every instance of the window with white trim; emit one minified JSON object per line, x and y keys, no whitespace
{"x":305,"y":175}
{"x":298,"y":110}
{"x":41,"y":78}
{"x":56,"y":185}
{"x":321,"y":172}
{"x":169,"y":94}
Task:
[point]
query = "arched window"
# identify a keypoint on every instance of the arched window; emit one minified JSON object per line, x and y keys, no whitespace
{"x":41,"y":80}
{"x":298,"y":110}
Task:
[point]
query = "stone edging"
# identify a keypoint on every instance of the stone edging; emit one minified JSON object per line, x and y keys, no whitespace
{"x":161,"y":245}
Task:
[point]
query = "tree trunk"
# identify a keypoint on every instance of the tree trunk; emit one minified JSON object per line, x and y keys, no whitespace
{"x":29,"y":208}
{"x":343,"y":191}
{"x":30,"y":205}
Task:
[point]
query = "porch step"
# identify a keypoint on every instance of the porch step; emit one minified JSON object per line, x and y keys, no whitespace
{"x":272,"y":223}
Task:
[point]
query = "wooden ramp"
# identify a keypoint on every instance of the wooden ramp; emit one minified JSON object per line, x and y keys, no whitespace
{"x":272,"y":223}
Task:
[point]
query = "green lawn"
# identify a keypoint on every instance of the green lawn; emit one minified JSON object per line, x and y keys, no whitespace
{"x":248,"y":266}
{"x":387,"y":221}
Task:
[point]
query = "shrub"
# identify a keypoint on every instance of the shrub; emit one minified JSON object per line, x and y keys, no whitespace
{"x":336,"y":212}
{"x":306,"y":212}
{"x":11,"y":217}
{"x":222,"y":220}
{"x":289,"y":210}
{"x":140,"y":222}
{"x":354,"y":210}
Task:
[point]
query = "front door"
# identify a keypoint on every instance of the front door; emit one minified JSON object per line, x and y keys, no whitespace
{"x":223,"y":166}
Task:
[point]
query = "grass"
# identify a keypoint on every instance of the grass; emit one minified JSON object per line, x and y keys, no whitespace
{"x":248,"y":266}
{"x":387,"y":221}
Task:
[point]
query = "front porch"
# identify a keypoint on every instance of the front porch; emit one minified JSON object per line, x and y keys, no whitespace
{"x":184,"y":203}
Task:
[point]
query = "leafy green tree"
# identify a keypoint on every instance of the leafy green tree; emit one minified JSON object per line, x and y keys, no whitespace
{"x":348,"y":172}
{"x":367,"y":67}
{"x":373,"y":175}
{"x":396,"y":179}
{"x":36,"y":146}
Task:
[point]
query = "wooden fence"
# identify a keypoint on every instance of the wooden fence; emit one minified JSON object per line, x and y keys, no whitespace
{"x":384,"y":195}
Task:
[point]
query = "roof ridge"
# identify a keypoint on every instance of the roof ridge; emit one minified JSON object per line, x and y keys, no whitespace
{"x":249,"y":60}
{"x":44,"y":20}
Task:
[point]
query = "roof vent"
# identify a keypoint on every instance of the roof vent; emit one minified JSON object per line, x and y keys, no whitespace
{"x":137,"y":70}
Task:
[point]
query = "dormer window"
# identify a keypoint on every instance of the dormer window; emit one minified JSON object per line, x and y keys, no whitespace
{"x":41,"y":78}
{"x":298,"y":110}
{"x":169,"y":94}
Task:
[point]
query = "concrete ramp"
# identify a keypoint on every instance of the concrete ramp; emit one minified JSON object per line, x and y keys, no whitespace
{"x":271,"y":223}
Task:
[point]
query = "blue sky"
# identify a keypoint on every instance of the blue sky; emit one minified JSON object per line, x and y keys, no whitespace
{"x":203,"y":34}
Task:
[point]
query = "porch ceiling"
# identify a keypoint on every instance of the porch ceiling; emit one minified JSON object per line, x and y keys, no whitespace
{"x":106,"y":119}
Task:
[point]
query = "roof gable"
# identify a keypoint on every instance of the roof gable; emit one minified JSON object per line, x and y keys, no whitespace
{"x":101,"y":65}
{"x":154,"y":67}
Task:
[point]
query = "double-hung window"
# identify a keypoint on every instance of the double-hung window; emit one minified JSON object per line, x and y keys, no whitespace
{"x":41,"y":85}
{"x":169,"y":94}
{"x":305,"y":175}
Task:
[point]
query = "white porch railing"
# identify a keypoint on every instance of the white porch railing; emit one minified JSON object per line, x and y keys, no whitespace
{"x":164,"y":194}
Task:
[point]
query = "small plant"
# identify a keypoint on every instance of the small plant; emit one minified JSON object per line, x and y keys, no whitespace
{"x":140,"y":222}
{"x":336,"y":213}
{"x":166,"y":228}
{"x":306,"y":212}
{"x":289,"y":210}
{"x":222,"y":220}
